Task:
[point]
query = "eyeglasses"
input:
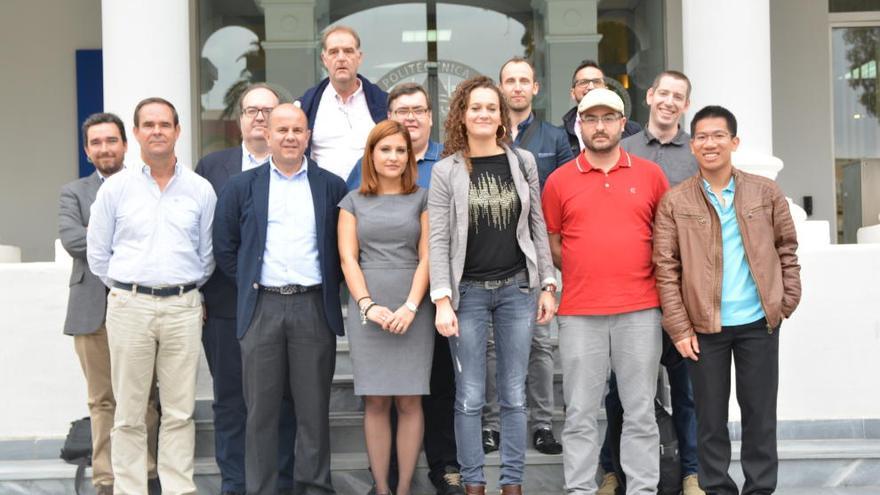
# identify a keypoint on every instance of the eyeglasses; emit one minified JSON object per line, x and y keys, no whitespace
{"x":585,"y":83}
{"x":716,"y":137}
{"x":251,"y":112}
{"x":608,"y":119}
{"x":402,"y":113}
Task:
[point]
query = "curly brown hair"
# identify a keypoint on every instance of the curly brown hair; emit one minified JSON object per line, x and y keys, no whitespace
{"x":456,"y":133}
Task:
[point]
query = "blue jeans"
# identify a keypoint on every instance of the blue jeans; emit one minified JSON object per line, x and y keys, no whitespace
{"x":511,"y":306}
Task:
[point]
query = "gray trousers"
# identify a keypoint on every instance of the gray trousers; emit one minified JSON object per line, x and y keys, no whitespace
{"x":288,"y":343}
{"x":539,"y":384}
{"x":630,"y":344}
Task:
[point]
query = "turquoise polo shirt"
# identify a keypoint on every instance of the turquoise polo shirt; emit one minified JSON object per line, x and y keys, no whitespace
{"x":740,"y":303}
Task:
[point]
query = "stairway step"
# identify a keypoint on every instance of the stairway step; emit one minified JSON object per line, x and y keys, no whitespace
{"x":844,"y":467}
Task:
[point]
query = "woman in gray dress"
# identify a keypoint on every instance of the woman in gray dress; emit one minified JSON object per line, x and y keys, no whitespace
{"x":383,"y":247}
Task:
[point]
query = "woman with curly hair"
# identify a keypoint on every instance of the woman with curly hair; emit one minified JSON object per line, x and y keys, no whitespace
{"x":488,"y":257}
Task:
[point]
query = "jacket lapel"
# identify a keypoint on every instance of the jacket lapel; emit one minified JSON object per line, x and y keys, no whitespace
{"x":233,"y":163}
{"x":319,"y":200}
{"x":260,"y":195}
{"x":90,"y":193}
{"x":520,"y":181}
{"x":460,"y":186}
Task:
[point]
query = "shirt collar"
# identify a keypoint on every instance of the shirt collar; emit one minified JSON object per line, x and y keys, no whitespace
{"x":522,"y":126}
{"x":302,"y":169}
{"x":681,"y":138}
{"x":335,"y":95}
{"x":585,"y":166}
{"x":250,"y":156}
{"x":433,"y":151}
{"x":730,"y":188}
{"x":146,"y":170}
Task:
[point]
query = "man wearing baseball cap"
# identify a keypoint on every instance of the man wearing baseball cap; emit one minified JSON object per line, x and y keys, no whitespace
{"x":599,"y":210}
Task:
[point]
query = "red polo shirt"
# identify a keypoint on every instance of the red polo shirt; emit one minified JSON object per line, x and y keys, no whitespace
{"x":606,"y":224}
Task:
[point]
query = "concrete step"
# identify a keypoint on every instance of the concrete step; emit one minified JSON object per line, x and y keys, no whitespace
{"x":807,"y":467}
{"x":346,"y":433}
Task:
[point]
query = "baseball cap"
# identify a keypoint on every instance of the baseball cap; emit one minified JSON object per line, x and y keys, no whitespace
{"x":600,"y":97}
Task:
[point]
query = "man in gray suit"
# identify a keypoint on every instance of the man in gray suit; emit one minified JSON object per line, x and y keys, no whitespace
{"x":105,"y":144}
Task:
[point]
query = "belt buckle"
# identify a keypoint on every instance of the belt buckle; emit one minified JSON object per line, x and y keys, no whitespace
{"x":286,"y":290}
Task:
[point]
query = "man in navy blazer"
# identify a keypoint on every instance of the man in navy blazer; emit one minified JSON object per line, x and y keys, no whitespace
{"x":219,"y":338}
{"x":275,"y":235}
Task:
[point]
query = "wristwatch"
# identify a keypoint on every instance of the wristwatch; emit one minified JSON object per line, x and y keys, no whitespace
{"x":412,"y":307}
{"x":551,"y":288}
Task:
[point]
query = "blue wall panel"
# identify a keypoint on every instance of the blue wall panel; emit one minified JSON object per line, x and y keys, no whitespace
{"x":89,"y":96}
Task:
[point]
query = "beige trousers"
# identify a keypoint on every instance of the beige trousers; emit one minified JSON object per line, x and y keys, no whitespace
{"x":146,"y":333}
{"x":94,"y":358}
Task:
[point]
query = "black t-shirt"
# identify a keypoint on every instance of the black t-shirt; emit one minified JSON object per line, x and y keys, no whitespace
{"x":494,"y":207}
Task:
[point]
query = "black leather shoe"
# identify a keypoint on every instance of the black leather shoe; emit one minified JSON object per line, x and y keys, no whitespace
{"x":450,"y":483}
{"x":491,"y":440}
{"x":546,"y":443}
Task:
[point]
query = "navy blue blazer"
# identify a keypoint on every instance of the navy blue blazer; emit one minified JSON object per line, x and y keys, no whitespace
{"x":240,"y":224}
{"x":218,"y":167}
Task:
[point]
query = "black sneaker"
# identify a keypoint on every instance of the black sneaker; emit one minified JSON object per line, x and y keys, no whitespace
{"x":546,"y":443}
{"x":450,"y":483}
{"x":491,"y":439}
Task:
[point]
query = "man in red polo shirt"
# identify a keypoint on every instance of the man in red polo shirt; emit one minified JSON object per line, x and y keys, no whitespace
{"x":599,"y":210}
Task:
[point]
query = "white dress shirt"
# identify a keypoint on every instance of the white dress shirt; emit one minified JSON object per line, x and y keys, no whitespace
{"x":291,"y":252}
{"x":340,"y":130}
{"x":138,"y":234}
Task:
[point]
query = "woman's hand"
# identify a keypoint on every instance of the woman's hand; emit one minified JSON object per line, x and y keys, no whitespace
{"x":379,"y":315}
{"x":400,"y":321}
{"x":445,"y":319}
{"x":546,"y":307}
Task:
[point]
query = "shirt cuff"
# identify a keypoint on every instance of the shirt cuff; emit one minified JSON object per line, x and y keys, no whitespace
{"x":440,"y":294}
{"x":548,"y":281}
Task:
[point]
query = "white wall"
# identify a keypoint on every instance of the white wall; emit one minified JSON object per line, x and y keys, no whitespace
{"x":38,"y":131}
{"x":802,"y":107}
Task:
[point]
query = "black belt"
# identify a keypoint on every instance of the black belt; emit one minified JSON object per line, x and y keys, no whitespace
{"x":173,"y":290}
{"x":291,"y":289}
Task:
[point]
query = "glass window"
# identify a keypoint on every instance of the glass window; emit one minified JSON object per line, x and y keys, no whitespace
{"x":853,"y":5}
{"x":433,"y":43}
{"x":855,"y":55}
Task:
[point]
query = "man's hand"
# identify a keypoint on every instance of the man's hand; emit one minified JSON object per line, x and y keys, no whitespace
{"x":689,"y":347}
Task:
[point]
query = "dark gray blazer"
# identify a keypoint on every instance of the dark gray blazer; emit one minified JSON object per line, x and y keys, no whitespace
{"x":448,"y":220}
{"x":87,"y":302}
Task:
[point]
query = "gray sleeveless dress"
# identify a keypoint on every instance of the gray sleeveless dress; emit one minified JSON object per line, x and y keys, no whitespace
{"x":388,"y":231}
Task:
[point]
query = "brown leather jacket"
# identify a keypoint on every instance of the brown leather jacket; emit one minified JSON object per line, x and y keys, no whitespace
{"x":688,"y":256}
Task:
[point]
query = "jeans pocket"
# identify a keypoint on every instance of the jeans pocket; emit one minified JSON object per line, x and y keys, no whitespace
{"x":463,"y":288}
{"x":521,"y":280}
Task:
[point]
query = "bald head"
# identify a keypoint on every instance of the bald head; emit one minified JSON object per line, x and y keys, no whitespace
{"x":288,"y":135}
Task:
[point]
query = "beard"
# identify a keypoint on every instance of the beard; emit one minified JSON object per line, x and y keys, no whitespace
{"x":108,"y":168}
{"x":603,"y":148}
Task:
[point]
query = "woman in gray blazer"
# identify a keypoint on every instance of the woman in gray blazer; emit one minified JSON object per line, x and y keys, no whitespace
{"x":489,"y":256}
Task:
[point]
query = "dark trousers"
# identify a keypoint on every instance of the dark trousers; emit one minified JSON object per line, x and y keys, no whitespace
{"x":288,"y":345}
{"x":755,"y":350}
{"x":223,"y":353}
{"x":684,"y":415}
{"x":439,"y":411}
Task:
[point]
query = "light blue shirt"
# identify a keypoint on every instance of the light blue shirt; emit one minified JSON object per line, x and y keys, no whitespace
{"x":740,"y":303}
{"x":138,"y":234}
{"x":248,"y":161}
{"x":291,"y":254}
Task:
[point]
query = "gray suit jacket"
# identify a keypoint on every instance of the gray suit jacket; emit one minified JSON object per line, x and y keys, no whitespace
{"x":448,"y":220}
{"x":88,"y":295}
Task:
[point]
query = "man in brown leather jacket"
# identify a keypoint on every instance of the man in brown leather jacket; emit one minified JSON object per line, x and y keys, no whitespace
{"x":727,"y":275}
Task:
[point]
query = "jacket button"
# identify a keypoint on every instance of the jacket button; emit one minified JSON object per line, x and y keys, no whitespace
{"x":256,"y":286}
